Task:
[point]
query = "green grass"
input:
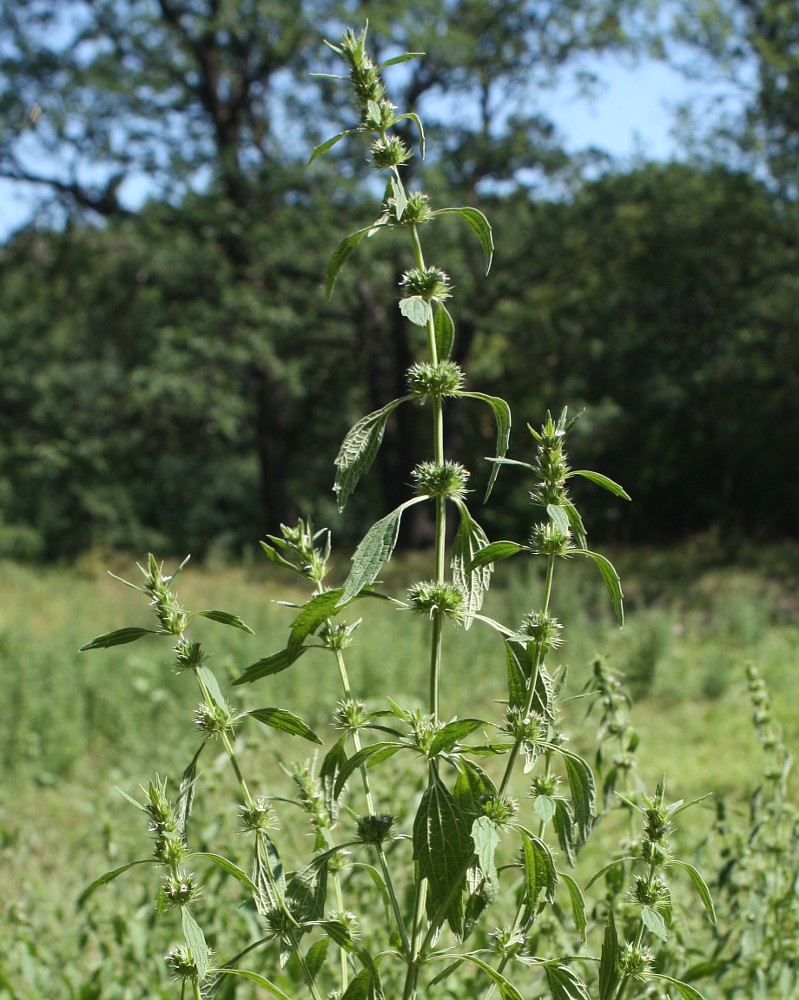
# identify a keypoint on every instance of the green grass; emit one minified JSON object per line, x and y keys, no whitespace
{"x":75,"y":725}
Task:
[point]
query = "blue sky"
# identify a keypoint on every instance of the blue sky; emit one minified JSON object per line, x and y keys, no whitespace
{"x":631,"y":115}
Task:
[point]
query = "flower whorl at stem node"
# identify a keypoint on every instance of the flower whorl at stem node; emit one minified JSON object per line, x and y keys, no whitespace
{"x":429,"y":283}
{"x":430,"y":598}
{"x":426,"y":380}
{"x":441,"y":479}
{"x":390,"y":152}
{"x":543,"y":629}
{"x":547,"y":540}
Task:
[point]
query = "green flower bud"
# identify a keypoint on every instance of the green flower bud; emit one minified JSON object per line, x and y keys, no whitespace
{"x":257,"y":816}
{"x":441,"y":479}
{"x":390,"y":152}
{"x":543,"y":629}
{"x":433,"y":381}
{"x":350,"y":715}
{"x":547,"y":540}
{"x":635,"y":961}
{"x":430,"y":283}
{"x":375,"y":829}
{"x":431,"y":598}
{"x":500,"y":809}
{"x":178,"y":891}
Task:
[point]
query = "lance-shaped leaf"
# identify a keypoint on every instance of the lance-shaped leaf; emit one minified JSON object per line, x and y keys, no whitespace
{"x":611,"y":578}
{"x":335,"y":760}
{"x":358,"y":450}
{"x":540,"y":874}
{"x":583,"y":789}
{"x":686,"y":992}
{"x":444,"y":332}
{"x":654,"y":922}
{"x":286,"y":722}
{"x":309,"y":888}
{"x":469,"y":540}
{"x":374,"y":551}
{"x":270,"y":665}
{"x":195,"y":939}
{"x":471,"y":786}
{"x":224,"y":618}
{"x":342,"y":253}
{"x":559,"y":518}
{"x":564,"y":828}
{"x":479,"y":223}
{"x":577,"y":901}
{"x":268,"y":875}
{"x":117,"y":638}
{"x":578,"y":531}
{"x":316,"y":955}
{"x":442,"y":844}
{"x":410,"y":114}
{"x":361,"y":987}
{"x":110,"y":876}
{"x":507,"y":991}
{"x":253,"y":977}
{"x":700,"y":885}
{"x":315,"y":613}
{"x":609,"y":975}
{"x":446,"y":738}
{"x":502,"y":416}
{"x":565,"y":984}
{"x":495,"y":552}
{"x":329,"y":143}
{"x":369,"y":756}
{"x":211,"y":684}
{"x":600,"y":480}
{"x":186,"y":792}
{"x":229,"y":867}
{"x":485,"y":838}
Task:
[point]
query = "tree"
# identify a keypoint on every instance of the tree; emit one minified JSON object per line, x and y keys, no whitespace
{"x":206,"y":106}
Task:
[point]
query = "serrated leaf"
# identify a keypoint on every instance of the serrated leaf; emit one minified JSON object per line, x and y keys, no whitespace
{"x":313,"y":614}
{"x":565,"y":984}
{"x":224,"y":618}
{"x":517,"y":686}
{"x":268,"y":874}
{"x":495,"y":552}
{"x":507,"y":991}
{"x":446,"y":738}
{"x":540,"y":874}
{"x":600,"y":480}
{"x":329,"y":143}
{"x":654,"y":922}
{"x":444,"y":328}
{"x":253,"y":977}
{"x":309,"y":888}
{"x":186,"y":792}
{"x":485,"y":838}
{"x":416,"y":309}
{"x":361,"y":987}
{"x":611,"y":578}
{"x":583,"y":790}
{"x":271,"y":665}
{"x":117,"y":638}
{"x":609,"y":977}
{"x":335,"y":760}
{"x":316,"y":955}
{"x":358,"y":451}
{"x":398,"y":197}
{"x":469,"y":540}
{"x":564,"y":828}
{"x":342,"y":253}
{"x":375,"y":550}
{"x":701,"y":887}
{"x":471,"y":785}
{"x":578,"y":531}
{"x":502,"y":417}
{"x":368,"y":756}
{"x":442,"y":844}
{"x":544,"y":807}
{"x":686,"y":992}
{"x":286,"y":722}
{"x":577,"y":901}
{"x":211,"y":684}
{"x":195,"y":939}
{"x":479,"y":223}
{"x":559,"y":518}
{"x":109,"y":877}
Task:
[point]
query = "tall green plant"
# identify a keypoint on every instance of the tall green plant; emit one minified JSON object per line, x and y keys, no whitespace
{"x":419,"y":841}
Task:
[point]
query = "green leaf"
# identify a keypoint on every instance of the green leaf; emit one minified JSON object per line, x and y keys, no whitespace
{"x":446,"y":738}
{"x":494,"y":553}
{"x":611,"y":578}
{"x":329,"y":143}
{"x":335,"y":760}
{"x":268,"y":874}
{"x":576,"y":524}
{"x":485,"y":838}
{"x":315,"y":613}
{"x":577,"y":901}
{"x":559,"y":518}
{"x":600,"y":480}
{"x":540,"y":874}
{"x":361,"y":987}
{"x":471,"y":785}
{"x":700,"y":886}
{"x":316,"y":955}
{"x":609,"y":976}
{"x":342,"y":253}
{"x":469,"y":540}
{"x":369,"y":756}
{"x":206,"y":675}
{"x":442,"y":844}
{"x":225,"y":619}
{"x":253,"y":977}
{"x":118,"y":638}
{"x":271,"y":665}
{"x":502,"y":416}
{"x":609,"y":867}
{"x":479,"y":223}
{"x":229,"y":867}
{"x":375,"y":550}
{"x":195,"y":939}
{"x":654,"y":922}
{"x":544,"y":807}
{"x":279,"y":718}
{"x":309,"y":887}
{"x":507,"y":991}
{"x":110,"y":876}
{"x":564,"y":828}
{"x":186,"y":792}
{"x":686,"y":992}
{"x":517,"y":685}
{"x":398,"y":197}
{"x":583,"y":790}
{"x":358,"y":451}
{"x":399,"y":59}
{"x":409,"y":114}
{"x":444,"y":332}
{"x":416,"y":309}
{"x":565,"y":984}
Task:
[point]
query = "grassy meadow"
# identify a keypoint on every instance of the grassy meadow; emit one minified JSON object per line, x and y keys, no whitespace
{"x":77,"y":727}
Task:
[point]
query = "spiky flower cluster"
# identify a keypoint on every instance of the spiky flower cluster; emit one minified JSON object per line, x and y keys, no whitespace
{"x":430,"y":599}
{"x":375,"y":829}
{"x":429,"y":381}
{"x":177,"y":891}
{"x":188,"y":655}
{"x":377,"y":113}
{"x":657,"y":815}
{"x":312,"y":798}
{"x":301,"y":550}
{"x":547,"y":539}
{"x":429,"y":283}
{"x":550,"y":464}
{"x":390,"y":152}
{"x":635,"y":961}
{"x":441,"y":479}
{"x":215,"y":719}
{"x":545,"y":631}
{"x":169,"y":847}
{"x":257,"y":815}
{"x":336,"y":636}
{"x":530,"y":727}
{"x":171,"y":616}
{"x":182,"y":963}
{"x":350,"y":715}
{"x":500,"y":809}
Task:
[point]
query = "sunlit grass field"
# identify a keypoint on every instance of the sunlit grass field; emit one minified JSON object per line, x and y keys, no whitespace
{"x":75,"y":727}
